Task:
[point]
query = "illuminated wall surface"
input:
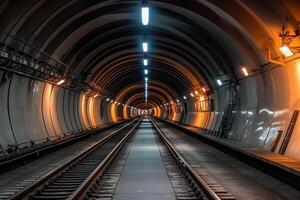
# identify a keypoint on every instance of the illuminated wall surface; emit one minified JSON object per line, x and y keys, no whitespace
{"x":214,"y":65}
{"x":34,"y":111}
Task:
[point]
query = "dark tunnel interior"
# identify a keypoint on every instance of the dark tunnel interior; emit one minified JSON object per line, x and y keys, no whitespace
{"x":228,"y":69}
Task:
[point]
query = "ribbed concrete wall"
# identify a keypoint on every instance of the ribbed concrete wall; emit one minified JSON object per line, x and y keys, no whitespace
{"x":35,"y":111}
{"x":266,"y":104}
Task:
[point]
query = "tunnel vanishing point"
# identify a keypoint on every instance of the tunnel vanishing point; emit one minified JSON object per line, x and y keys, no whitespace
{"x":226,"y":70}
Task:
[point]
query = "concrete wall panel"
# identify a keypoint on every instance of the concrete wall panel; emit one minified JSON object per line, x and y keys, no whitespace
{"x":7,"y":135}
{"x":60,"y":110}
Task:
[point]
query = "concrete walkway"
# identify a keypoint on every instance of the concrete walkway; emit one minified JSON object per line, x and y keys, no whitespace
{"x":144,"y":175}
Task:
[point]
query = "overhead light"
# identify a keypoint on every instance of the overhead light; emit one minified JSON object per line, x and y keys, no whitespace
{"x":286,"y":51}
{"x":203,"y":89}
{"x":60,"y":82}
{"x":146,"y":79}
{"x":192,"y":95}
{"x":177,"y":100}
{"x":245,"y":72}
{"x":145,"y":62}
{"x":111,"y":101}
{"x":145,"y":46}
{"x":184,"y":97}
{"x":146,"y":71}
{"x":107,"y":99}
{"x":196,"y":92}
{"x":219,"y":82}
{"x":145,"y":16}
{"x":96,"y":95}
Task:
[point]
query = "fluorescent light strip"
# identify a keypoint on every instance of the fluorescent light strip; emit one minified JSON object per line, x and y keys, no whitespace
{"x":146,"y":71}
{"x":60,"y":82}
{"x":145,"y":47}
{"x":245,"y":71}
{"x":145,"y":16}
{"x":145,"y":62}
{"x":287,"y":52}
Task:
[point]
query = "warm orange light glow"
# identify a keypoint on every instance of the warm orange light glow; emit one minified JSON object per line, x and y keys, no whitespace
{"x":91,"y":114}
{"x":125,"y":112}
{"x":196,"y":92}
{"x":96,"y":95}
{"x":113,"y":112}
{"x":286,"y":51}
{"x":50,"y":110}
{"x":83,"y":111}
{"x":203,"y":89}
{"x":192,"y":95}
{"x":245,"y":72}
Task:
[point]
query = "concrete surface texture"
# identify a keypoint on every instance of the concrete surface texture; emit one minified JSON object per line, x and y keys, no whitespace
{"x":144,"y":175}
{"x":241,"y":180}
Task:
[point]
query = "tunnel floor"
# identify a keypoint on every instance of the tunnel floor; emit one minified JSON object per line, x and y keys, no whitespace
{"x":240,"y":179}
{"x":144,"y":175}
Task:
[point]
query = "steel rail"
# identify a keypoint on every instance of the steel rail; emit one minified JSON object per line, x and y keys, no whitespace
{"x":40,"y":182}
{"x":84,"y":187}
{"x":195,"y":176}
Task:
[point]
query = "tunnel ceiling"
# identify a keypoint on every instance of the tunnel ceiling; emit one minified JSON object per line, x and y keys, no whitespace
{"x":191,"y":43}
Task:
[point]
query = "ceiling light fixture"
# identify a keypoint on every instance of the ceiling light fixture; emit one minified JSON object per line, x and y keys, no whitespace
{"x":286,"y":39}
{"x":245,"y":71}
{"x":286,"y":51}
{"x":145,"y":16}
{"x":145,"y":62}
{"x":60,"y":82}
{"x":145,"y":47}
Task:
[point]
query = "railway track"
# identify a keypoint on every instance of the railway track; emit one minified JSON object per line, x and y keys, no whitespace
{"x":94,"y":174}
{"x":66,"y":181}
{"x":211,"y":190}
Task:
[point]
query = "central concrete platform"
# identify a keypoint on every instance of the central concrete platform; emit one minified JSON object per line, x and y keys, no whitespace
{"x":144,"y":175}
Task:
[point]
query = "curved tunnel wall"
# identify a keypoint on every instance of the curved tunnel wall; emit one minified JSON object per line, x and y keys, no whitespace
{"x":100,"y":42}
{"x":36,"y":111}
{"x":267,"y":102}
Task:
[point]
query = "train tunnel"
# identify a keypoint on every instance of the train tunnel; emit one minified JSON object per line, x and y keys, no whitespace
{"x":226,"y":71}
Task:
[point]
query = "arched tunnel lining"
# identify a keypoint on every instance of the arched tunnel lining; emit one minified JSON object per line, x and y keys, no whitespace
{"x":255,"y":107}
